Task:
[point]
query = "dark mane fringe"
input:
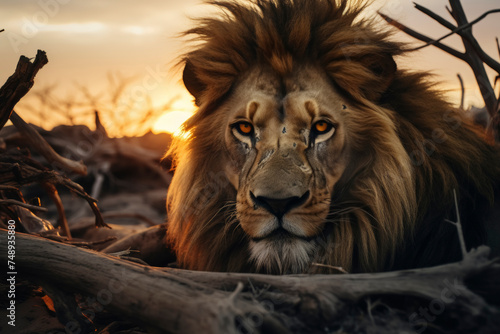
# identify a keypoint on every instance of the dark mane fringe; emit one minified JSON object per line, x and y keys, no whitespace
{"x":426,"y":149}
{"x":284,"y":34}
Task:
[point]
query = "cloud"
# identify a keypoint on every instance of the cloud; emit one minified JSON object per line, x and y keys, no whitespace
{"x":75,"y":28}
{"x":120,"y":15}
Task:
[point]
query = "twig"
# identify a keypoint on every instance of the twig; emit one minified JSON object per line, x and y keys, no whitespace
{"x":458,"y":225}
{"x":37,"y":141}
{"x":4,"y":187}
{"x":462,"y":88}
{"x":21,"y":173}
{"x":236,"y":292}
{"x":339,"y":269}
{"x":19,"y":83}
{"x":99,"y":221}
{"x":423,"y":38}
{"x":54,"y":196}
{"x":369,"y":307}
{"x":99,"y":127}
{"x":435,"y":16}
{"x":498,"y":46}
{"x":124,"y":253}
{"x":21,"y":204}
{"x":448,"y":9}
{"x":456,"y":29}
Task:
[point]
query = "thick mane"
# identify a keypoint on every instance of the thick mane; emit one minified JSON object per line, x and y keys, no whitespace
{"x":285,"y":34}
{"x":419,"y":147}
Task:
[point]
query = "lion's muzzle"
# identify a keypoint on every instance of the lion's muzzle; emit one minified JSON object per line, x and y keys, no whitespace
{"x":281,"y":181}
{"x":279,"y":206}
{"x":279,"y":187}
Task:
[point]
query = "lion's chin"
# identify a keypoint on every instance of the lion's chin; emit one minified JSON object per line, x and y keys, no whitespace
{"x":282,"y":254}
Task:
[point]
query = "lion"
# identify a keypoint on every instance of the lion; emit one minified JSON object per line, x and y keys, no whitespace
{"x":311,"y":150}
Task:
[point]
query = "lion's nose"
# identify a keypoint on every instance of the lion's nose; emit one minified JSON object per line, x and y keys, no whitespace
{"x":279,"y":206}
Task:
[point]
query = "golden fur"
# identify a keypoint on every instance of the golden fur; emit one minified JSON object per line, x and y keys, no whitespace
{"x":407,"y":148}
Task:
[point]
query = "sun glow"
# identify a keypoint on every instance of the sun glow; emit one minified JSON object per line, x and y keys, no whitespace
{"x":171,"y":121}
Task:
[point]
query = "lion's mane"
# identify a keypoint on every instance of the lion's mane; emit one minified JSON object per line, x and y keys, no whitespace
{"x":388,"y":213}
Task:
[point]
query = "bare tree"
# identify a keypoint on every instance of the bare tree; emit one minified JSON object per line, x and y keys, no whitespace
{"x":474,"y":55}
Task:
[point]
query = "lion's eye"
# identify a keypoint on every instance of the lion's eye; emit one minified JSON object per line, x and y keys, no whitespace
{"x":321,"y":127}
{"x":244,"y":128}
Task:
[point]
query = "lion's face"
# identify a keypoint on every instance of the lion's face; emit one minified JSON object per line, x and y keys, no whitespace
{"x":310,"y":145}
{"x":286,"y":142}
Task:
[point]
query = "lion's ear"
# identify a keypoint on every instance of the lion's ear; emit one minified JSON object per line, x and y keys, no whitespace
{"x":383,"y":68}
{"x":191,"y":81}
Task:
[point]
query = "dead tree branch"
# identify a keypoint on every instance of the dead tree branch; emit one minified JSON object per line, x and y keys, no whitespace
{"x":19,"y":83}
{"x":456,"y":30}
{"x":22,"y":173}
{"x":21,"y":204}
{"x":480,"y":52}
{"x":498,"y":46}
{"x":476,"y":58}
{"x":423,"y":38}
{"x":436,"y":17}
{"x":462,"y":91}
{"x":474,"y":55}
{"x":54,"y":195}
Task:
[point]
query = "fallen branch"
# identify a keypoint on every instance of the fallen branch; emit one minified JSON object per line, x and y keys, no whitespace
{"x":54,"y":196}
{"x":22,"y":173}
{"x":21,"y":204}
{"x":39,"y":144}
{"x":180,"y":301}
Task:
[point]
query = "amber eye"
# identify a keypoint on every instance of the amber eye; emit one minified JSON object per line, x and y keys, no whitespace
{"x":245,"y":128}
{"x":321,"y":127}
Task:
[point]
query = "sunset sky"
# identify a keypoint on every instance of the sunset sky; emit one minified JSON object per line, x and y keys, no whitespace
{"x":87,"y":41}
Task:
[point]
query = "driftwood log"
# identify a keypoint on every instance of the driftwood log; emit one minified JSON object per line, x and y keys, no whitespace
{"x":459,"y":297}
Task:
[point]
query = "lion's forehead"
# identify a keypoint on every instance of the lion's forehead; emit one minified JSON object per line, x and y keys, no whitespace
{"x":287,"y":105}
